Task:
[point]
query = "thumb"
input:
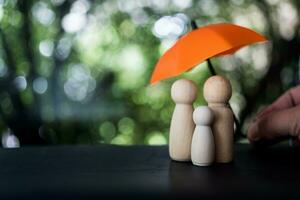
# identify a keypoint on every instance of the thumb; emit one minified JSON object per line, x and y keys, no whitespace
{"x":276,"y":124}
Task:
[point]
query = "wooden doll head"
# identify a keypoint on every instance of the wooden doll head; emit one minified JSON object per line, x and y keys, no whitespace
{"x":184,"y":91}
{"x":203,"y":115}
{"x":217,"y":89}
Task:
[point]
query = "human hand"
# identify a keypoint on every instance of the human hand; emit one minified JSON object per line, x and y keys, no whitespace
{"x":281,"y":118}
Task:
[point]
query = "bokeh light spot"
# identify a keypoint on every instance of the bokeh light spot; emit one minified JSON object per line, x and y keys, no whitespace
{"x":107,"y":131}
{"x":40,"y":85}
{"x":46,"y":48}
{"x":156,"y":138}
{"x":20,"y":83}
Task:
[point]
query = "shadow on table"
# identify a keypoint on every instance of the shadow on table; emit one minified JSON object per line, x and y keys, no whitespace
{"x":255,"y":173}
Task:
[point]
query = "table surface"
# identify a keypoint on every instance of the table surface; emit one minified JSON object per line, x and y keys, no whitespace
{"x":86,"y":172}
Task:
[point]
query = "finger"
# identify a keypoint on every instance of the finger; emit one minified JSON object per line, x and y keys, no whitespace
{"x":289,"y":99}
{"x":276,"y":124}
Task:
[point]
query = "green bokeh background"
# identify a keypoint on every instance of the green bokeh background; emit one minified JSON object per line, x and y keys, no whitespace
{"x":77,"y":72}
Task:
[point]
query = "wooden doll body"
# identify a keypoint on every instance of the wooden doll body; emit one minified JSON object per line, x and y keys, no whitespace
{"x":217,"y":92}
{"x":223,"y":132}
{"x":203,"y":147}
{"x":181,"y":133}
{"x":184,"y":93}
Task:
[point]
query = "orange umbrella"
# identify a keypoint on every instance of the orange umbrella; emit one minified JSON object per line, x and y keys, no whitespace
{"x":200,"y":45}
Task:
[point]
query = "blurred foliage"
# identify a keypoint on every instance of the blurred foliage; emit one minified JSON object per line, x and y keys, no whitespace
{"x":78,"y":71}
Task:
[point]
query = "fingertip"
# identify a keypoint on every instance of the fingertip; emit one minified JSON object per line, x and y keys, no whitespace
{"x":252,"y":133}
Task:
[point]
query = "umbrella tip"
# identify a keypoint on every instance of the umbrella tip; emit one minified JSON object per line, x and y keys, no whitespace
{"x":194,"y":24}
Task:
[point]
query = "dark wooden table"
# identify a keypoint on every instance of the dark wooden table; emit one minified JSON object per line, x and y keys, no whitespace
{"x":144,"y":172}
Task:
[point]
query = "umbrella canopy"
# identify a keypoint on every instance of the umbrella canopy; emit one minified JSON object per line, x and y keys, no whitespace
{"x":201,"y":44}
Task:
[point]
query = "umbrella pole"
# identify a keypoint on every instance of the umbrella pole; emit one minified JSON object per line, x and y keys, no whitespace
{"x":211,"y":68}
{"x":213,"y":73}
